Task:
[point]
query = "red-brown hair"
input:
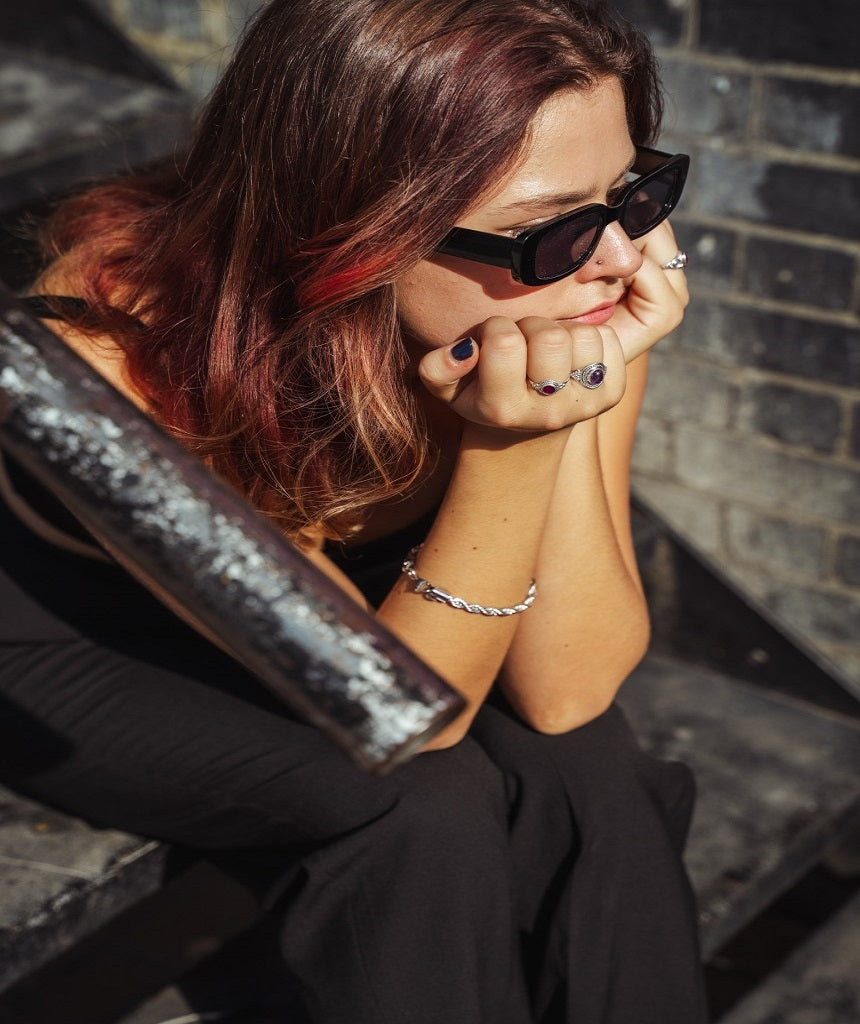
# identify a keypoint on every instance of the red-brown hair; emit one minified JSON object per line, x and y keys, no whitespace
{"x":342,"y":143}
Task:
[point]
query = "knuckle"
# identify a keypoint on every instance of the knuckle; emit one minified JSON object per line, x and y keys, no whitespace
{"x":505,"y":343}
{"x":612,"y":398}
{"x":585,"y":334}
{"x":615,"y":393}
{"x":557,"y":418}
{"x":430,"y":376}
{"x":678,"y":316}
{"x":505,"y":419}
{"x":552,"y":336}
{"x":501,"y":330}
{"x":425,"y":376}
{"x":496,"y":413}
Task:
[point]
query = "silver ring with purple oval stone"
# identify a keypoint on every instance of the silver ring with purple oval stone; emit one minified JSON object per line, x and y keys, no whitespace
{"x":591,"y":376}
{"x":546,"y":387}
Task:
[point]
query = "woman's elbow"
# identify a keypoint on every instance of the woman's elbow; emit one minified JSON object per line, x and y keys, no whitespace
{"x":588,"y":688}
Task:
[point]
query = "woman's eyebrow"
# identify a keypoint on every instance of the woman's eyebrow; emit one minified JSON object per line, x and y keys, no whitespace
{"x":559,"y":199}
{"x":547,"y":202}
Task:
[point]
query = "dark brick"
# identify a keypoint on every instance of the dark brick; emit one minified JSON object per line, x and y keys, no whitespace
{"x":822,"y":33}
{"x":738,"y":336}
{"x":813,"y":199}
{"x":822,"y":615}
{"x":813,"y":116}
{"x":775,"y":544}
{"x":662,"y":20}
{"x":792,"y":416}
{"x":711,"y":252}
{"x":792,"y":196}
{"x":705,"y":102}
{"x":848,"y":560}
{"x":756,"y":473}
{"x":685,"y":391}
{"x":798,"y":273}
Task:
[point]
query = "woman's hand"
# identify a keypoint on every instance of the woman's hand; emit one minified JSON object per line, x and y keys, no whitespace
{"x":490,"y":386}
{"x":656,"y":298}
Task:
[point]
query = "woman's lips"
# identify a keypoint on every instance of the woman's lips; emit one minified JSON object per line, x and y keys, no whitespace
{"x":598,"y":315}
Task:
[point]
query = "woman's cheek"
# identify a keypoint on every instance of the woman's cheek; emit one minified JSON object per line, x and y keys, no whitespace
{"x":436,"y":307}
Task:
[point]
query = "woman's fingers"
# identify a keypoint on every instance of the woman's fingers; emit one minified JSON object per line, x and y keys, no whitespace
{"x":551,"y":354}
{"x":518,"y":376}
{"x":656,"y":297}
{"x":443,"y":370}
{"x":660,"y":247}
{"x":557,"y":350}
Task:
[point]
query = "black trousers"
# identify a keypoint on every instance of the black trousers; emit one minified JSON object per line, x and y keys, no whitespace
{"x":513,"y":879}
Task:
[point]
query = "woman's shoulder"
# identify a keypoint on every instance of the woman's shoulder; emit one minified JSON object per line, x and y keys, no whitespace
{"x":59,"y":287}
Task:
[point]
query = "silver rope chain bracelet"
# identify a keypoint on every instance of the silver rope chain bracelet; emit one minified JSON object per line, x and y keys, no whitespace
{"x":432,"y":593}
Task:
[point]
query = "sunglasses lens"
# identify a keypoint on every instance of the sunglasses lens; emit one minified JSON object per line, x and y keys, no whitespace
{"x":565,"y":246}
{"x":647,"y":206}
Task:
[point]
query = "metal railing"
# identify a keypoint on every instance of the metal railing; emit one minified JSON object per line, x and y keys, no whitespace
{"x":165,"y":517}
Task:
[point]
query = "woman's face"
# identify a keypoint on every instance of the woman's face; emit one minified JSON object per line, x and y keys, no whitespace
{"x":581,"y":150}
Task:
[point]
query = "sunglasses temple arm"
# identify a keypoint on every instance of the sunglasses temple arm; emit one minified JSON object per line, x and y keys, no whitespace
{"x":477,"y":245}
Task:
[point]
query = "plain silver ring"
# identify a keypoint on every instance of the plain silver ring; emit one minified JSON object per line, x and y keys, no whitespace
{"x":546,"y":387}
{"x":677,"y":262}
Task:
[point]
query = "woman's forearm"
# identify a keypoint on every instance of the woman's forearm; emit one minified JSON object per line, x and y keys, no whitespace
{"x":568,"y":659}
{"x":483,"y":547}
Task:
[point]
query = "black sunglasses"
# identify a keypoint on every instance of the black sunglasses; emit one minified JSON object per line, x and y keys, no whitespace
{"x":560,"y":246}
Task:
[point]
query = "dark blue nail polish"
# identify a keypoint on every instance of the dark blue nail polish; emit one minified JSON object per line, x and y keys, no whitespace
{"x":463,"y":349}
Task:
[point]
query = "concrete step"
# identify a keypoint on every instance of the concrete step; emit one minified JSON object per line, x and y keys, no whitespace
{"x":701,"y":616}
{"x":245,"y":983}
{"x":60,"y":880}
{"x":778,"y":781}
{"x":818,"y":984}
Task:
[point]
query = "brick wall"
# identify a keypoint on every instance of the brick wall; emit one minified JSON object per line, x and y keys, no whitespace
{"x":750,"y":441}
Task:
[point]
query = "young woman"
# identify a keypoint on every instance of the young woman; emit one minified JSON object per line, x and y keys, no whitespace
{"x":400,"y":292}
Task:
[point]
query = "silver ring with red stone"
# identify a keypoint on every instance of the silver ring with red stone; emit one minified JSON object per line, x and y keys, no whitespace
{"x":591,"y":376}
{"x":546,"y":387}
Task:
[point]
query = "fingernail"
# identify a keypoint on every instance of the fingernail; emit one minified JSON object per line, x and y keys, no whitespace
{"x":463,"y":349}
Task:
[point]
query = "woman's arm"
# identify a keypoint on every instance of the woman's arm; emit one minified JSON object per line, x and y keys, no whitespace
{"x":569,"y":658}
{"x":574,"y":649}
{"x":485,"y":541}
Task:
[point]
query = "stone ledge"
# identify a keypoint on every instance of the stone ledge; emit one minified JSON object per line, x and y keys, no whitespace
{"x":60,"y":880}
{"x":778,"y":782}
{"x":818,"y":984}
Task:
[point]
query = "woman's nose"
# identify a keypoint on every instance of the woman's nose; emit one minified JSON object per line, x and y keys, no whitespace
{"x":615,"y":255}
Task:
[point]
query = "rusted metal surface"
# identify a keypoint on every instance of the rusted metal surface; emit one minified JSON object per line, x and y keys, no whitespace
{"x":163,"y":515}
